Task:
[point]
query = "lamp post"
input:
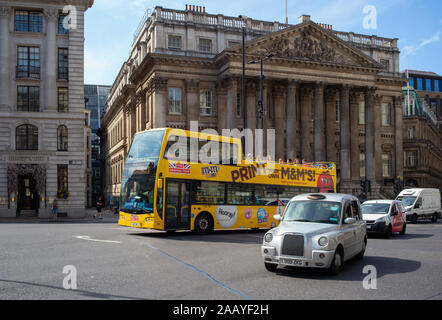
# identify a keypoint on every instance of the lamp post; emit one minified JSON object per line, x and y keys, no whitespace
{"x":261,"y":89}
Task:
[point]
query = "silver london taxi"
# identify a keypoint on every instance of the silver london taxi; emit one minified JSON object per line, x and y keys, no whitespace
{"x":316,"y":230}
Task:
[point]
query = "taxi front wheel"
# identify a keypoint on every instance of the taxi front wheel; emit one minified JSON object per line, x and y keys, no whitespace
{"x":270,"y":266}
{"x":337,"y":263}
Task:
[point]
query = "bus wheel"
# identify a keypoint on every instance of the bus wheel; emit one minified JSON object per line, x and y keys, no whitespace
{"x":434,"y":218}
{"x":203,"y":223}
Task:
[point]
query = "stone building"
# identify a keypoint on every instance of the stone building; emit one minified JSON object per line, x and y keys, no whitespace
{"x":329,"y":95}
{"x":42,"y":112}
{"x":422,"y":142}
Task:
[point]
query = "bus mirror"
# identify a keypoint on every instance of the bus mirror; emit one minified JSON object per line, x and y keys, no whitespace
{"x":160,"y":183}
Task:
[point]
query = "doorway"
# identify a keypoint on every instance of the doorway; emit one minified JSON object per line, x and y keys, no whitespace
{"x":27,"y":198}
{"x":177,"y":205}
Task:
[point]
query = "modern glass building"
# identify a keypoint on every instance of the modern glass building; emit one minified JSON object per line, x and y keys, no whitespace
{"x":95,"y":99}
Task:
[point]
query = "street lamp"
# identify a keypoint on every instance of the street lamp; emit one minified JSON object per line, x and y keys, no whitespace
{"x":243,"y":93}
{"x":261,"y":89}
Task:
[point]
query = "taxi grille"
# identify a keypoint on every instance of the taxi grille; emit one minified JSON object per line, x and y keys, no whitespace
{"x":293,"y":245}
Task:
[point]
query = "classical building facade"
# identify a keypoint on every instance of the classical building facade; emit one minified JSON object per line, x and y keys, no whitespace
{"x":422,"y":142}
{"x":329,"y":95}
{"x":42,"y":112}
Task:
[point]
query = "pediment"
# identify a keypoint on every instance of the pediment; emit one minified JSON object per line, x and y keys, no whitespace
{"x":308,"y":42}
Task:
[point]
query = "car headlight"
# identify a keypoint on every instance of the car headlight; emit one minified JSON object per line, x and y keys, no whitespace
{"x":323,"y":241}
{"x":268,"y":237}
{"x":383,"y":219}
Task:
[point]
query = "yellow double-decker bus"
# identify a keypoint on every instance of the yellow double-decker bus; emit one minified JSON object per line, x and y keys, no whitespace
{"x":182,"y":180}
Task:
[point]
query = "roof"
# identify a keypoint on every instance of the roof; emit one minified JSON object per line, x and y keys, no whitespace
{"x":337,"y":197}
{"x":379,"y":201}
{"x":421,"y":73}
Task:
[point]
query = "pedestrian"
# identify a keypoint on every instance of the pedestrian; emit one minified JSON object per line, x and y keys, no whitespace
{"x":54,"y":209}
{"x":99,"y":206}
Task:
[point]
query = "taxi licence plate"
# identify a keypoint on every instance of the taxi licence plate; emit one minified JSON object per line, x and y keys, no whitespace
{"x":291,"y":262}
{"x":134,"y":224}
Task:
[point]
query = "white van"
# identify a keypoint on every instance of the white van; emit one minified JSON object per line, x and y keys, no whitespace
{"x":421,"y":203}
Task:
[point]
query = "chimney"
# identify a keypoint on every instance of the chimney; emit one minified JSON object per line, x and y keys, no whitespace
{"x":303,"y":18}
{"x":186,"y":7}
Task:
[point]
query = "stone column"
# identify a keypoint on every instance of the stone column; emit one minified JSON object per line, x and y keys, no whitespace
{"x":319,"y":129}
{"x":377,"y":138}
{"x":50,"y":84}
{"x":5,"y":63}
{"x":345,"y":135}
{"x":143,"y":113}
{"x":252,"y":102}
{"x":160,"y":102}
{"x":192,"y":101}
{"x":355,"y":140}
{"x":291,"y":120}
{"x":280,"y":122}
{"x":306,"y":126}
{"x":398,"y":127}
{"x":221,"y":96}
{"x":232,"y":87}
{"x":370,"y":135}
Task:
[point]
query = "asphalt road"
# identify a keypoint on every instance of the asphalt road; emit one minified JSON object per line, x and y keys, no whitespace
{"x":114,"y":262}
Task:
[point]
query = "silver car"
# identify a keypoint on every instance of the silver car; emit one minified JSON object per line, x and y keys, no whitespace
{"x":318,"y":231}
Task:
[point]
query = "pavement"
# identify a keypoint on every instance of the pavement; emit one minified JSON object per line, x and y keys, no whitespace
{"x":108,"y":216}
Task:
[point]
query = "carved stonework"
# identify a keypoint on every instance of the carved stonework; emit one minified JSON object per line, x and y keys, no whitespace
{"x":5,"y":11}
{"x":51,"y":14}
{"x":158,"y":84}
{"x":306,"y":47}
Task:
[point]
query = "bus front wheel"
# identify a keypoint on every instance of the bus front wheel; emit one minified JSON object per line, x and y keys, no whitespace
{"x":203,"y":223}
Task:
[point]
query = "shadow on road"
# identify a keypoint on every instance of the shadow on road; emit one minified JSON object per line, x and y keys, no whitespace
{"x":227,"y":236}
{"x":82,"y":292}
{"x":352,"y":270}
{"x":407,"y":236}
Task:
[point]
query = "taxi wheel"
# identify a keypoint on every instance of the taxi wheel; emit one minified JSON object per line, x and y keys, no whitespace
{"x":388,"y":233}
{"x":270,"y":266}
{"x":337,"y":262}
{"x":360,"y":255}
{"x":203,"y":223}
{"x":404,"y":228}
{"x":414,"y":218}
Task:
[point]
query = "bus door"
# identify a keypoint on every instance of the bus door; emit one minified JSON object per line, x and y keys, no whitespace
{"x":177,"y":205}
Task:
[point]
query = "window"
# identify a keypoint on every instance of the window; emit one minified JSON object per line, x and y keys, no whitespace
{"x":238,"y":105}
{"x":411,"y":82}
{"x":62,"y":138}
{"x":205,"y":102}
{"x":420,"y":85}
{"x":28,"y":99}
{"x":386,"y":165}
{"x":62,"y":99}
{"x":175,"y":100}
{"x":427,"y":84}
{"x":28,"y":62}
{"x":205,"y":45}
{"x":436,"y":85}
{"x":61,"y":29}
{"x":361,"y":112}
{"x":411,"y":159}
{"x":28,"y":21}
{"x":362,"y":165}
{"x":386,"y":114}
{"x":386,"y":64}
{"x":208,"y":192}
{"x":62,"y":177}
{"x":410,"y":133}
{"x":233,"y":43}
{"x":26,"y":137}
{"x":63,"y":64}
{"x":174,"y":42}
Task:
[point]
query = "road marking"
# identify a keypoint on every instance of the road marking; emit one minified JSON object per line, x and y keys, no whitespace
{"x":96,"y":240}
{"x":205,"y":274}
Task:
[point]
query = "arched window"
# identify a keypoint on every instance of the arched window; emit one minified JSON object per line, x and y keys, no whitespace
{"x":26,"y":137}
{"x":62,"y":138}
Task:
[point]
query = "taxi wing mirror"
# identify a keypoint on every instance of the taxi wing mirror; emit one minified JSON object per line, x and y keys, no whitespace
{"x":277,"y":217}
{"x":349,"y":220}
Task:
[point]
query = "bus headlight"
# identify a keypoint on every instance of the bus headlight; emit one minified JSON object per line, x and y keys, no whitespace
{"x":323,"y":241}
{"x":268,"y":237}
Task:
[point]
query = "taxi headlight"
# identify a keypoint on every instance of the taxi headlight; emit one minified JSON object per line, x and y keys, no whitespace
{"x":323,"y":241}
{"x":268,"y":237}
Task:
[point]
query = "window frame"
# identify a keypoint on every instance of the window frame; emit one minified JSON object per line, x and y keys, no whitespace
{"x":31,"y":24}
{"x":62,"y":181}
{"x":63,"y":98}
{"x":63,"y":144}
{"x":387,"y":165}
{"x":63,"y":64}
{"x":206,"y":102}
{"x":386,"y":114}
{"x":169,"y":42}
{"x":24,"y":69}
{"x":203,"y":48}
{"x":172,"y":99}
{"x":28,"y":100}
{"x":31,"y":143}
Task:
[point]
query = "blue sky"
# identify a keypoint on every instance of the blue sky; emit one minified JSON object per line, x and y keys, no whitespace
{"x":110,"y":25}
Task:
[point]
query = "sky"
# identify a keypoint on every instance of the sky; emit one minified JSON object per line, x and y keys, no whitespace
{"x":111,"y":24}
